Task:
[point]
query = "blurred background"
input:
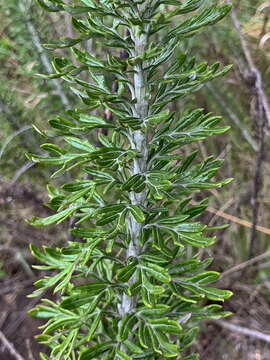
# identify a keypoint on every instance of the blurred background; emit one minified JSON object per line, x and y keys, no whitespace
{"x":242,"y":252}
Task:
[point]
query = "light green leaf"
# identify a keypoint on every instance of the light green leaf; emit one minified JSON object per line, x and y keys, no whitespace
{"x":88,"y":3}
{"x":137,"y":213}
{"x":165,"y":325}
{"x":157,"y":118}
{"x":156,"y":271}
{"x":206,"y":17}
{"x":122,"y":356}
{"x":54,"y":219}
{"x":94,"y":121}
{"x":133,"y":348}
{"x":83,"y":145}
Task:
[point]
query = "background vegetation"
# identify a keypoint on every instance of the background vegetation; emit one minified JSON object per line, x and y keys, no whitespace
{"x":241,"y":97}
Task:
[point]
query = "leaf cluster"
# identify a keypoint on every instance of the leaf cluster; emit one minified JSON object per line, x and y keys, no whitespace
{"x":128,"y":289}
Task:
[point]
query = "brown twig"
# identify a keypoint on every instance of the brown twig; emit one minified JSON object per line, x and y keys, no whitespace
{"x":259,"y":86}
{"x":243,"y":330}
{"x":257,"y":187}
{"x":260,"y":10}
{"x":238,"y":220}
{"x":14,"y":120}
{"x":232,"y":115}
{"x":29,"y":350}
{"x":261,"y":114}
{"x":245,"y":264}
{"x":9,"y":346}
{"x":264,"y":27}
{"x":223,"y":208}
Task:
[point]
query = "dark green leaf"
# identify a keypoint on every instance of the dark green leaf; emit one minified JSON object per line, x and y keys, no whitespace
{"x":96,"y":350}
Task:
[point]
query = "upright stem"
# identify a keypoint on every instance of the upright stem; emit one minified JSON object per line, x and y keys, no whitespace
{"x":139,"y":138}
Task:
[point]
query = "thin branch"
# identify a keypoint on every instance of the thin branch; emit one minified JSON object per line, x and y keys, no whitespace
{"x":263,"y":40}
{"x":21,"y":171}
{"x":43,"y":56}
{"x":233,"y":117}
{"x":12,"y":136}
{"x":28,"y":346}
{"x":237,"y":220}
{"x":254,"y":70}
{"x":264,"y":27}
{"x":6,"y":110}
{"x":243,"y":330}
{"x":262,"y":119}
{"x":257,"y":187}
{"x":9,"y":346}
{"x":245,"y":264}
{"x":15,"y":123}
{"x":223,"y":208}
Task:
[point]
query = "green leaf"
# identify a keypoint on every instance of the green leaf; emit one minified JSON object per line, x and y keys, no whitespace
{"x":154,"y":257}
{"x":91,"y":288}
{"x":165,"y":325}
{"x":63,"y":322}
{"x":187,"y":338}
{"x":133,"y":348}
{"x":94,"y":325}
{"x":175,"y":220}
{"x":54,"y":149}
{"x":157,"y":118}
{"x":135,"y":182}
{"x":83,"y":145}
{"x":75,"y":301}
{"x":144,"y":354}
{"x":88,"y":3}
{"x":90,"y":233}
{"x":201,"y":312}
{"x":156,"y":271}
{"x":89,"y":60}
{"x":191,"y":357}
{"x":96,"y":350}
{"x":125,"y":273}
{"x":137,"y":213}
{"x":206,"y":17}
{"x":203,"y":278}
{"x":44,"y":356}
{"x":71,"y":199}
{"x":42,"y":311}
{"x":167,"y":348}
{"x":159,"y":309}
{"x":127,"y":323}
{"x":54,"y":219}
{"x":50,"y":8}
{"x":63,"y":277}
{"x":190,"y":265}
{"x":122,"y":356}
{"x":204,"y":291}
{"x":197,"y":240}
{"x":150,"y":288}
{"x":216,"y":294}
{"x":94,"y":121}
{"x":78,"y":185}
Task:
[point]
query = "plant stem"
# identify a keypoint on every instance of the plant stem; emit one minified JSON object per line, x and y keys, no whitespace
{"x":139,"y":140}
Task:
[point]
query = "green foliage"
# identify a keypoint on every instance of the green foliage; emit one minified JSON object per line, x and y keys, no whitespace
{"x":127,"y":288}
